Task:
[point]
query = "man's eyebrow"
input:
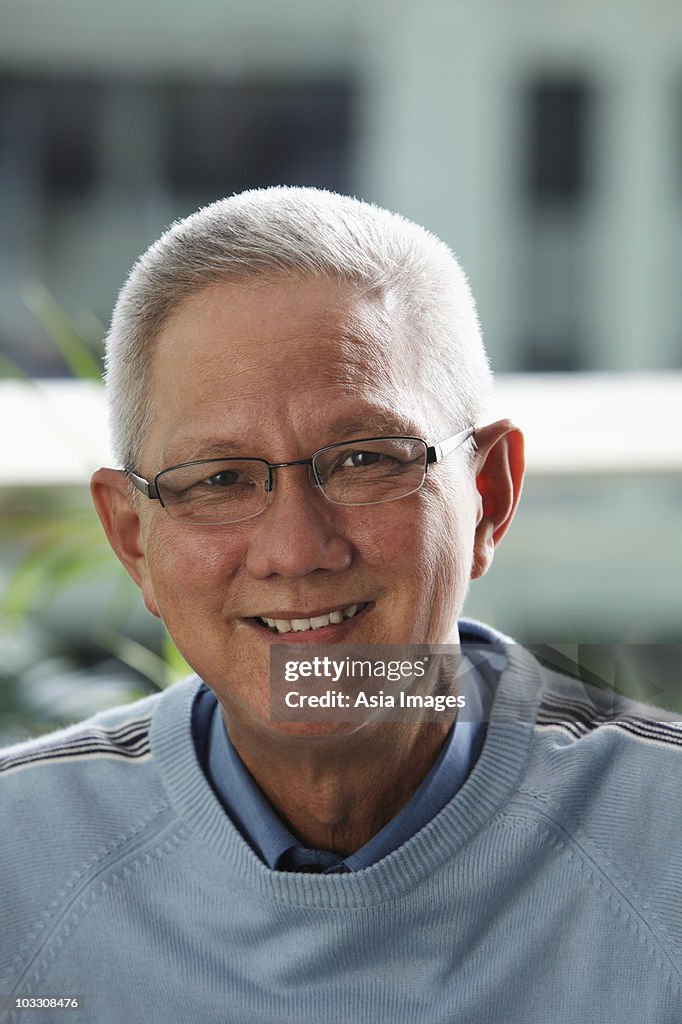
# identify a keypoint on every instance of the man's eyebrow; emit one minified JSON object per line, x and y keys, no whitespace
{"x":371,"y":424}
{"x":346,"y":429}
{"x":187,"y":450}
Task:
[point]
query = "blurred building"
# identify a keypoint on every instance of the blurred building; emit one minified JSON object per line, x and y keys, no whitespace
{"x":542,"y":141}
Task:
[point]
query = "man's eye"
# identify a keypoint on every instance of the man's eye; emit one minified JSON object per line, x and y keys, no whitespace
{"x":357,"y":460}
{"x":226,"y":478}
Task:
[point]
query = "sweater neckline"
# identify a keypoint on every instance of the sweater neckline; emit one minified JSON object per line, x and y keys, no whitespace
{"x":493,"y":780}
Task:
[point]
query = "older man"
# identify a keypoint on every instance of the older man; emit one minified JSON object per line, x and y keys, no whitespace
{"x":297,"y":384}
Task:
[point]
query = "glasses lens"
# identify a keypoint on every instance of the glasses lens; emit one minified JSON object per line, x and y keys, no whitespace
{"x":214,"y":493}
{"x":369,"y":472}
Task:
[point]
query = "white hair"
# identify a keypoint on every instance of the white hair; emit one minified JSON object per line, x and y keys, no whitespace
{"x":296,"y":232}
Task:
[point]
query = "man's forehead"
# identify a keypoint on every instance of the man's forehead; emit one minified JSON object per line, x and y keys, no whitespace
{"x":241,"y":336}
{"x":287,"y":308}
{"x":239,"y":357}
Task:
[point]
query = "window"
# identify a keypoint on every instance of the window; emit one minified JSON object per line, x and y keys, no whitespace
{"x":557,"y":114}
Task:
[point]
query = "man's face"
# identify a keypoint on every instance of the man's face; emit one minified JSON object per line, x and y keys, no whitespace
{"x":277,"y":369}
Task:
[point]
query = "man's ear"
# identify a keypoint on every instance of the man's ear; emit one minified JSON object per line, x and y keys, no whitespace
{"x":499,"y":477}
{"x":116,"y":509}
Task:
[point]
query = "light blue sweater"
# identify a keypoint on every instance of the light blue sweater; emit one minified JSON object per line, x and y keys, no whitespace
{"x":547,"y":891}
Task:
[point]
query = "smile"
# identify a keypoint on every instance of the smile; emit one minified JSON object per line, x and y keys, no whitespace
{"x":316,"y":622}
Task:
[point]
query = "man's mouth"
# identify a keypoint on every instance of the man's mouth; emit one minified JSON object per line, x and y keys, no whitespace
{"x":333,"y":617}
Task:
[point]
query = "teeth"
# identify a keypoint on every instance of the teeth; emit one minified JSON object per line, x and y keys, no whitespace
{"x":317,"y":622}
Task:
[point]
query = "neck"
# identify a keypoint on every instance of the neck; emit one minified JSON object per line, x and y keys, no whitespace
{"x":335,"y":793}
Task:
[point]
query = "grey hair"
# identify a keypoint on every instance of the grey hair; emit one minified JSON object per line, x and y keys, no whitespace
{"x":296,"y":231}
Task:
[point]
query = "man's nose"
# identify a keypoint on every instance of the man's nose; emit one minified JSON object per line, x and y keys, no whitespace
{"x":299,"y":531}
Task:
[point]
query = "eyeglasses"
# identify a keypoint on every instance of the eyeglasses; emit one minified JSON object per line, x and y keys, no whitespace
{"x":367,"y":471}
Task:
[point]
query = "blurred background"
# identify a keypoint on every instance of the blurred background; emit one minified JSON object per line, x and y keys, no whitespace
{"x":543,"y":142}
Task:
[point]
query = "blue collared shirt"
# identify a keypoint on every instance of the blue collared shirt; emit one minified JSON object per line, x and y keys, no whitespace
{"x":251,"y":812}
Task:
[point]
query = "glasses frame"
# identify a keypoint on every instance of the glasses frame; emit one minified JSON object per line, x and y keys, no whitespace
{"x":434,"y":453}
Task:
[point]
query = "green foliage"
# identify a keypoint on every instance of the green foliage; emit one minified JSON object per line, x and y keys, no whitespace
{"x":59,"y":550}
{"x":83,"y":359}
{"x":55,"y":545}
{"x":160,"y":669}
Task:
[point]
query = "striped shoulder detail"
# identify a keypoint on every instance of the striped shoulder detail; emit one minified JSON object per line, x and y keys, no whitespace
{"x":578,"y":718}
{"x":127,"y":742}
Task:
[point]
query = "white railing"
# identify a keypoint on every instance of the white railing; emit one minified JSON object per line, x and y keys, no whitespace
{"x":54,"y":432}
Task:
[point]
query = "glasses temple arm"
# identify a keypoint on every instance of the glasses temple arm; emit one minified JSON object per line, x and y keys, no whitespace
{"x":148,"y":489}
{"x":437,"y":452}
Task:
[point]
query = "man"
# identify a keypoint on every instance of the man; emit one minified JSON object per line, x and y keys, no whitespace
{"x":297,"y":387}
